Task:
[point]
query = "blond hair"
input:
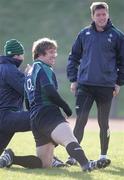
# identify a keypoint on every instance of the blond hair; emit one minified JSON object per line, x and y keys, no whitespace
{"x":41,"y":45}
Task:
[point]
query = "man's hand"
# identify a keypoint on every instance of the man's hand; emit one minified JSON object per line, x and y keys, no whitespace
{"x":28,"y":67}
{"x":116,"y":91}
{"x":73,"y":87}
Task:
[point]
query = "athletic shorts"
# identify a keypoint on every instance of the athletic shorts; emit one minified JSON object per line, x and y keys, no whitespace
{"x":43,"y":125}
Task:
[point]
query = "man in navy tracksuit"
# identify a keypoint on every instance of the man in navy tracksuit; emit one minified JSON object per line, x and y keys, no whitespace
{"x":96,"y":72}
{"x":12,"y":117}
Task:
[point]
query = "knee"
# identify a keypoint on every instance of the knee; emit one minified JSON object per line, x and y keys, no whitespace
{"x":65,"y":137}
{"x":69,"y":140}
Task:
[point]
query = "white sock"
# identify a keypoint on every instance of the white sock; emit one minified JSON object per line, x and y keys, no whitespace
{"x":103,"y":156}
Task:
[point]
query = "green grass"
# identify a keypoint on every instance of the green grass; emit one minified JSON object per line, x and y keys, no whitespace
{"x":23,"y":144}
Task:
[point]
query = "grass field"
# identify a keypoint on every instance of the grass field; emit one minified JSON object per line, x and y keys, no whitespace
{"x":23,"y":144}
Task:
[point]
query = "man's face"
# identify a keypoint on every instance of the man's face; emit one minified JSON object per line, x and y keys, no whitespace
{"x":19,"y":57}
{"x":100,"y":17}
{"x":50,"y":56}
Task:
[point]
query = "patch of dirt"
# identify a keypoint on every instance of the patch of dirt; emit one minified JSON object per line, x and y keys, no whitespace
{"x":92,"y":124}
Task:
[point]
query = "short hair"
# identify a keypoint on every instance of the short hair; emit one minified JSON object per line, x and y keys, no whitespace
{"x":41,"y":45}
{"x":98,"y":5}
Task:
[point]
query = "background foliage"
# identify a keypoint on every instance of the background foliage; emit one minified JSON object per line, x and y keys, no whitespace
{"x":29,"y":20}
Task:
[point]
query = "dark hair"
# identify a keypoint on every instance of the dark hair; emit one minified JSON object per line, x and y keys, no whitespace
{"x":41,"y":45}
{"x":98,"y":5}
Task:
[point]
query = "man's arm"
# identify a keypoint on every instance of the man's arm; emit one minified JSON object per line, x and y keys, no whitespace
{"x":51,"y":92}
{"x":74,"y":59}
{"x":15,"y":79}
{"x":57,"y":99}
{"x":120,"y":60}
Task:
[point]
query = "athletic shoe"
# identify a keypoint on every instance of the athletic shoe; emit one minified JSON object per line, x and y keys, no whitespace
{"x":57,"y":162}
{"x":71,"y":161}
{"x":90,"y":166}
{"x":96,"y":164}
{"x":103,"y":163}
{"x":6,"y":159}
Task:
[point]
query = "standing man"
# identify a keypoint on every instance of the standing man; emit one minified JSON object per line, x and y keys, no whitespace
{"x":96,"y":72}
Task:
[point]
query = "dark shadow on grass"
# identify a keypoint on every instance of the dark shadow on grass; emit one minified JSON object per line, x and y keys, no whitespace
{"x":115,"y":170}
{"x":61,"y":172}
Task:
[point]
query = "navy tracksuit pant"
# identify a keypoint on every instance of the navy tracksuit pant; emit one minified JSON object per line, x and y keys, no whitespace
{"x":86,"y":95}
{"x":10,"y":123}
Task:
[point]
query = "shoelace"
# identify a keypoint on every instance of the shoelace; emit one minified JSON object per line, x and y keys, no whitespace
{"x":56,"y":163}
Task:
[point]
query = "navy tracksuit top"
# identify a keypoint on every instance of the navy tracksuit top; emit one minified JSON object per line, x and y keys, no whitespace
{"x":97,"y":58}
{"x":11,"y":84}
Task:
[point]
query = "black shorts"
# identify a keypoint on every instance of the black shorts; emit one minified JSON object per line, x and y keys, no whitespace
{"x":43,"y":125}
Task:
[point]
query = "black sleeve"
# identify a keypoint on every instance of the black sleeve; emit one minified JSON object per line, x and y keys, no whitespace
{"x":74,"y":59}
{"x":120,"y":61}
{"x":56,"y":99}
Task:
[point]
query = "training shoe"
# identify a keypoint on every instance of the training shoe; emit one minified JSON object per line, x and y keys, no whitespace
{"x":6,"y":159}
{"x":57,"y":162}
{"x":103,"y":163}
{"x":90,"y":166}
{"x":71,"y":161}
{"x":96,"y":164}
